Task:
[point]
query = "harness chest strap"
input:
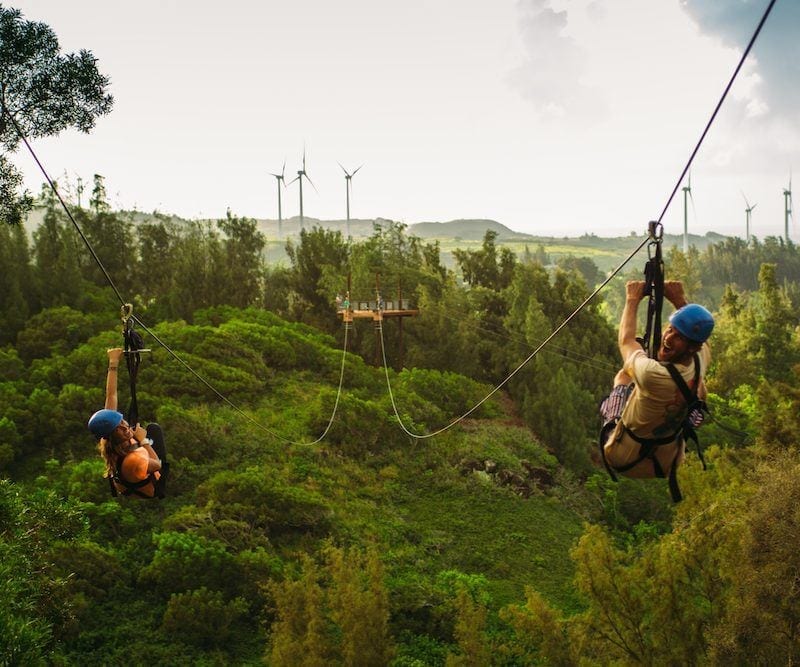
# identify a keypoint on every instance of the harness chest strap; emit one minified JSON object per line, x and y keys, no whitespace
{"x":692,"y":402}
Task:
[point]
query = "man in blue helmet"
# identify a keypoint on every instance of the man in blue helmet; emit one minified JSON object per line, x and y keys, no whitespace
{"x":135,"y":458}
{"x":647,"y":409}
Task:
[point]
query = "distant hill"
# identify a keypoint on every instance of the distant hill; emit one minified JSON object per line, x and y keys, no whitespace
{"x":606,"y":252}
{"x":469,"y":230}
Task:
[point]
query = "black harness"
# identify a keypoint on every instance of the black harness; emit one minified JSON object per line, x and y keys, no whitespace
{"x":131,"y":488}
{"x":649,"y":446}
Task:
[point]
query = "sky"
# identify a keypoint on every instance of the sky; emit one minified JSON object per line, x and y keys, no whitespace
{"x":553,"y":117}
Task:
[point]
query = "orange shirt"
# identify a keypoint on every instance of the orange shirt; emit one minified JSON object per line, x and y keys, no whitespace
{"x":134,"y":469}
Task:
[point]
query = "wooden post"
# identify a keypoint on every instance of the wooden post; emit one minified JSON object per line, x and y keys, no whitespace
{"x":400,"y":323}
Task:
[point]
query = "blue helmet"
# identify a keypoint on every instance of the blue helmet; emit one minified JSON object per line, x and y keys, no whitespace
{"x":103,"y":422}
{"x":693,"y":321}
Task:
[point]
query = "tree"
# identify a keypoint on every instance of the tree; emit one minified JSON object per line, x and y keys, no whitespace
{"x":762,"y":624}
{"x":242,"y":264}
{"x":484,"y":267}
{"x":469,"y":631}
{"x":15,"y":285}
{"x":34,"y":607}
{"x":42,"y":92}
{"x":359,"y":605}
{"x":319,"y":258}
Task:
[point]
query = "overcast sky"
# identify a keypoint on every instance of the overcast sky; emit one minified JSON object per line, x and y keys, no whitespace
{"x":550,"y":116}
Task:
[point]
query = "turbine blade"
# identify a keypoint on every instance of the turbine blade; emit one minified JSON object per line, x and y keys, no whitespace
{"x":283,"y":171}
{"x":356,"y":171}
{"x":753,"y":206}
{"x":343,"y":169}
{"x":292,"y":181}
{"x":312,"y":184}
{"x":747,"y":203}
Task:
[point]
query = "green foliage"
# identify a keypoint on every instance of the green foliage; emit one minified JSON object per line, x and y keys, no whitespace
{"x":16,"y":290}
{"x":473,"y":649}
{"x":91,"y":570}
{"x":184,"y":562}
{"x":57,"y":331}
{"x":300,"y":632}
{"x":203,"y":618}
{"x":359,"y":606}
{"x":475,"y":566}
{"x":262,"y":502}
{"x":584,"y":266}
{"x":334,"y":613}
{"x":10,"y":442}
{"x":318,"y":257}
{"x":763,"y":616}
{"x":453,"y":394}
{"x":34,"y":606}
{"x":483,"y":267}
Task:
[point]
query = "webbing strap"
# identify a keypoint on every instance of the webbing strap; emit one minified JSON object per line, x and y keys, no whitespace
{"x":690,"y":396}
{"x":133,"y":343}
{"x":654,"y":290}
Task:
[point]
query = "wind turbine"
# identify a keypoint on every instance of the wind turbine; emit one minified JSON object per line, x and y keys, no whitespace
{"x":787,"y":208}
{"x":748,"y":211}
{"x":348,"y":186}
{"x":300,"y":174}
{"x":687,"y":193}
{"x":280,"y":180}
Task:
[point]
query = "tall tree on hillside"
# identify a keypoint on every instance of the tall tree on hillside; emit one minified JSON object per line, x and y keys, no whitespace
{"x":16,"y":283}
{"x":55,"y":256}
{"x":319,"y":258}
{"x":243,"y":267}
{"x":112,"y":240}
{"x":486,"y":267}
{"x":42,"y":92}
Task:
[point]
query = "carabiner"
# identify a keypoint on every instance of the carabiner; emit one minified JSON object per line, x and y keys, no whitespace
{"x":655,"y":231}
{"x":127,"y":312}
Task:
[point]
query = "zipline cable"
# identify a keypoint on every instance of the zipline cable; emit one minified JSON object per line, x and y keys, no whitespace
{"x":174,"y":355}
{"x":419,"y":436}
{"x":566,"y":353}
{"x":63,"y":204}
{"x":717,"y":108}
{"x":422,"y":436}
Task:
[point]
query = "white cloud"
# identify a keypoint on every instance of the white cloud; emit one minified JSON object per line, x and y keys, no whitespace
{"x":552,"y":74}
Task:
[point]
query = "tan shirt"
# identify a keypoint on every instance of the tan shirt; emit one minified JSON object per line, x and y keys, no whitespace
{"x":655,"y":409}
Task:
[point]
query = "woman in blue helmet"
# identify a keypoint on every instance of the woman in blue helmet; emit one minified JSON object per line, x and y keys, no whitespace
{"x":135,"y":458}
{"x":647,"y":408}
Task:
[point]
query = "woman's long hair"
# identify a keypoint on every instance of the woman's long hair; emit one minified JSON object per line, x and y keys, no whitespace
{"x":111,"y":449}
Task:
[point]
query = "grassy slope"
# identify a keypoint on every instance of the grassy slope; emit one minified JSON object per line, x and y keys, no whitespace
{"x":427,"y":514}
{"x":430,"y":515}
